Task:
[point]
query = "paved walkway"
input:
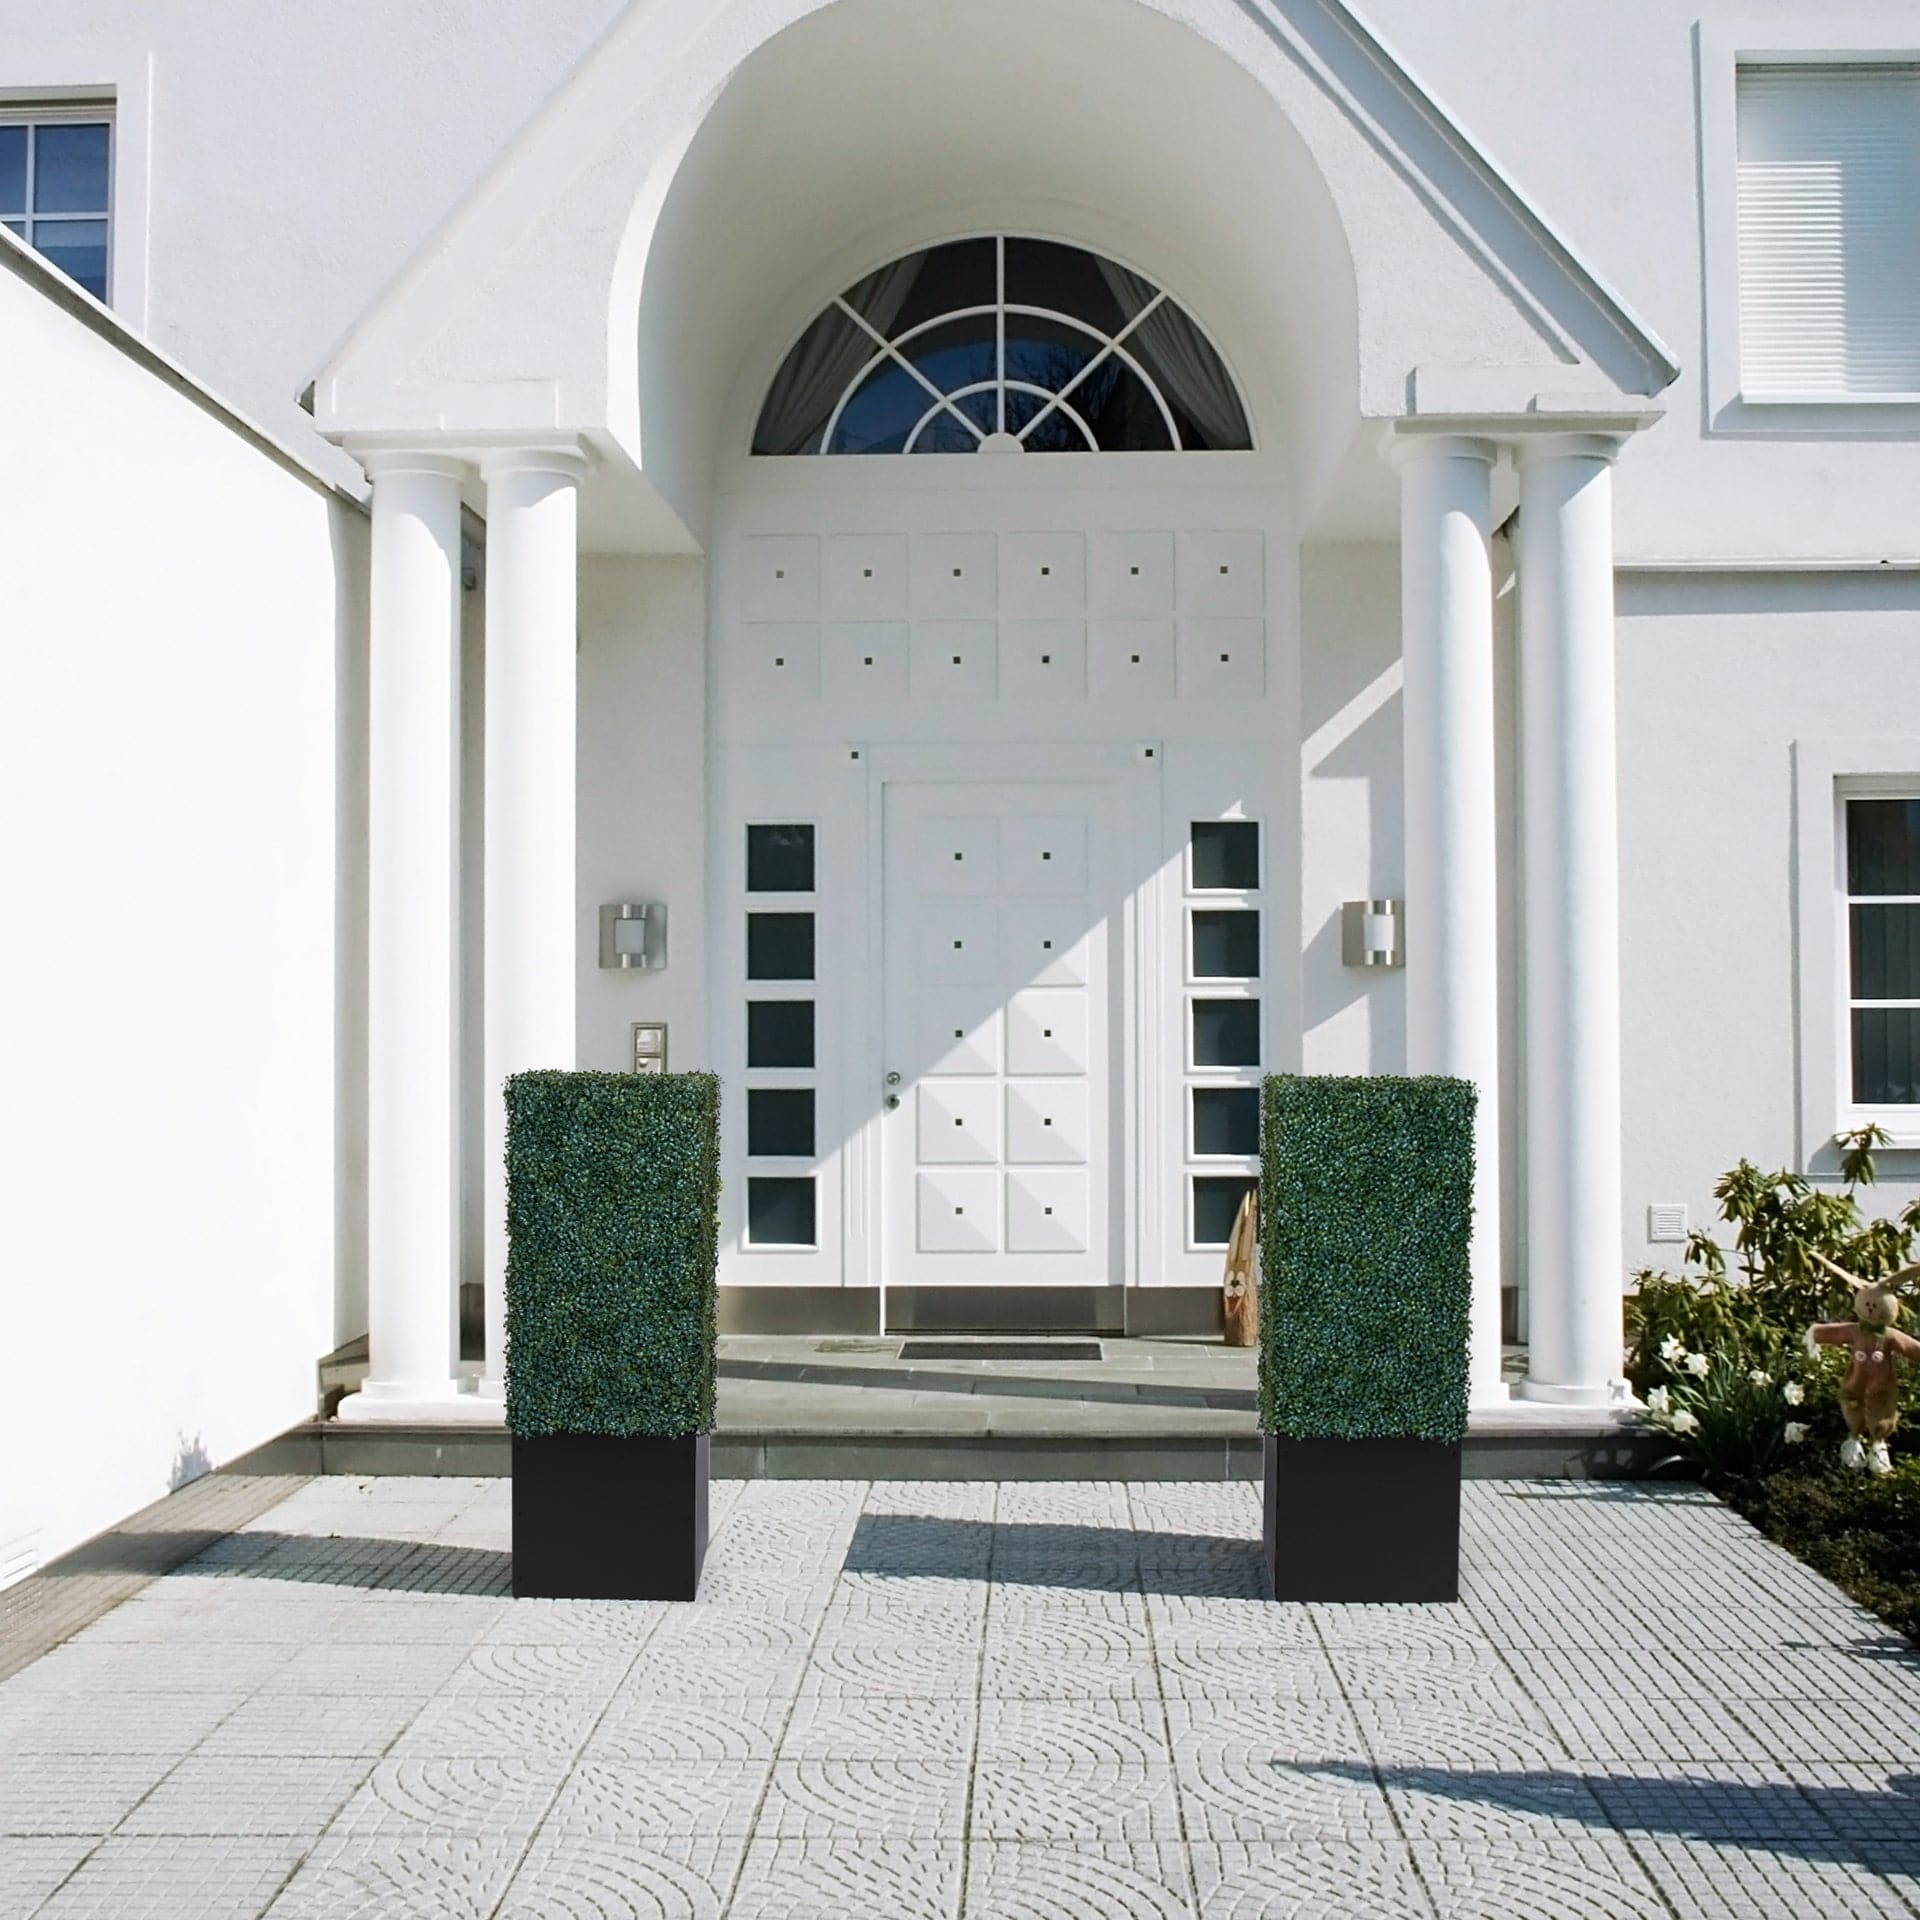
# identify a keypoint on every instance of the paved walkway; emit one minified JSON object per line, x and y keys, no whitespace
{"x":1028,"y":1702}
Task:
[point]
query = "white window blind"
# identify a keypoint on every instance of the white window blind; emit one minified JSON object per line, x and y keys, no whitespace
{"x":1829,"y":199}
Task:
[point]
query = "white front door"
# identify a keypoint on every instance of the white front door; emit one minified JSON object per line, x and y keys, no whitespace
{"x":1000,"y":912}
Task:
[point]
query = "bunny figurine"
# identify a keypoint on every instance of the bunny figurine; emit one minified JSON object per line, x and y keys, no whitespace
{"x":1870,"y":1393}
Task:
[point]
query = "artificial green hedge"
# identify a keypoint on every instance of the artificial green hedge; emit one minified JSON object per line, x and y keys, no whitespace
{"x":1366,"y":1204}
{"x":613,"y":1187}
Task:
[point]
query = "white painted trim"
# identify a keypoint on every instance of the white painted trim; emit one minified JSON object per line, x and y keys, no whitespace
{"x":1858,"y":34}
{"x":116,"y":75}
{"x":1827,"y":772}
{"x":20,"y":259}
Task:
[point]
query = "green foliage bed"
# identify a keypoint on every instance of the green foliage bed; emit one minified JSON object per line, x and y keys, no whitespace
{"x":1366,"y":1207}
{"x":1716,"y":1350}
{"x":613,"y":1184}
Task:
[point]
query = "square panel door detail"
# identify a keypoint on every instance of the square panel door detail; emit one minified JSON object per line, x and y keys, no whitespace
{"x":996,"y":1138}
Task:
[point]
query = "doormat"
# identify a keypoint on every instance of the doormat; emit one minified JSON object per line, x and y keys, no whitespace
{"x":1001,"y":1350}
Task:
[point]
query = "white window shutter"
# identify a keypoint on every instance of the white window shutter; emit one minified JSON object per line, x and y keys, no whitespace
{"x":1829,"y":210}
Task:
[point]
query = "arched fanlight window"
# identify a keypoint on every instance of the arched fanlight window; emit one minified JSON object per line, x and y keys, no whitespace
{"x":1002,"y":345}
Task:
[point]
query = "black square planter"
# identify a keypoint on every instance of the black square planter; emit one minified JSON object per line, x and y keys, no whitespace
{"x":609,"y":1517}
{"x":1362,"y":1519}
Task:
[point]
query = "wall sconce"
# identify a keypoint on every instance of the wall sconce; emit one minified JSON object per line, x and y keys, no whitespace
{"x":633,"y":933}
{"x":1370,"y":934}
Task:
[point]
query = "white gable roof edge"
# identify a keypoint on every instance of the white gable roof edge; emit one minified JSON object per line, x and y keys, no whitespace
{"x":1606,"y":300}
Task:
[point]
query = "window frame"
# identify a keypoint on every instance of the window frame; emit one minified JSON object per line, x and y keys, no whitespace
{"x":886,"y":349}
{"x":1846,"y":35}
{"x":70,"y":113}
{"x":1827,"y":775}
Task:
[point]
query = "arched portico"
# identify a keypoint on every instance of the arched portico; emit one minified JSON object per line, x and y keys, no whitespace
{"x":602,"y":322}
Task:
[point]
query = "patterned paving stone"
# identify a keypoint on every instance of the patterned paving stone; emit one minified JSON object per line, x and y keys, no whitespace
{"x":870,"y":1879}
{"x":1188,"y":1620}
{"x":315,"y":1725}
{"x":92,"y":1793}
{"x":570,"y":1877}
{"x":903,"y":1799}
{"x":544,"y":1726}
{"x":485,"y":1793}
{"x":92,"y":1666}
{"x":649,"y":1800}
{"x":1272,"y":1729}
{"x":108,"y":1723}
{"x":365,"y":1668}
{"x":1311,"y":1881}
{"x":870,"y":1729}
{"x":1017,"y":1881}
{"x":1244,"y":1796}
{"x":212,"y":1796}
{"x":927,"y":1669}
{"x":1076,"y":1733}
{"x":1715,"y":1881}
{"x":423,"y":1876}
{"x":30,"y":1869}
{"x":228,"y":1878}
{"x":607,"y":1625}
{"x":1540,"y":1805}
{"x":673,"y":1673}
{"x":587,"y":1670}
{"x":1594,"y":1878}
{"x":688,"y":1730}
{"x":1500,"y":1734}
{"x":1074,"y":1805}
{"x":1012,"y":1672}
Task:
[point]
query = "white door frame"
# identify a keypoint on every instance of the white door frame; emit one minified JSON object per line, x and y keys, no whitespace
{"x":1132,"y":769}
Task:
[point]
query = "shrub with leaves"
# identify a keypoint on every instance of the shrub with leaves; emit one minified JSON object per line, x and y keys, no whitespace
{"x":1753,"y":1303}
{"x":1727,"y":1417}
{"x":613,"y":1184}
{"x":1366,"y":1205}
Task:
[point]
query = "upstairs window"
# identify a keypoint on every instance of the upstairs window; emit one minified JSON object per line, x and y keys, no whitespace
{"x":56,"y":189}
{"x":1883,"y":950}
{"x":1829,"y":239}
{"x":1002,"y":345}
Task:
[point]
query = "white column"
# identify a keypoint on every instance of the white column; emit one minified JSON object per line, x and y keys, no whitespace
{"x":412,"y":776}
{"x":532,"y":953}
{"x":1446,"y":628}
{"x":1569,"y":828}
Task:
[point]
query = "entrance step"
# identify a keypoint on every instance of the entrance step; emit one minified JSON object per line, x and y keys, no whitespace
{"x":810,"y":1407}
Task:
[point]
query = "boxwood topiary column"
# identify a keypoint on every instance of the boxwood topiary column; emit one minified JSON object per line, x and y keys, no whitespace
{"x":613,"y":1185}
{"x":1366,"y":1211}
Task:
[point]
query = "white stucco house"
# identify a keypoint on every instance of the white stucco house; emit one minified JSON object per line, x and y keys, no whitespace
{"x":1068,"y":555}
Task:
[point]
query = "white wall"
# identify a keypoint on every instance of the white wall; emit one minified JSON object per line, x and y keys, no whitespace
{"x":643,"y":797}
{"x":1719,"y":675}
{"x":180,"y":611}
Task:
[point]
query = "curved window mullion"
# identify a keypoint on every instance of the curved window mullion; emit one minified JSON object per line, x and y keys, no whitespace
{"x":887,"y":352}
{"x":1092,"y":367}
{"x":984,"y":338}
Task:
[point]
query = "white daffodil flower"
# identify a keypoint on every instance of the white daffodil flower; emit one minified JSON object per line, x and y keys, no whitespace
{"x":1671,"y":1349}
{"x":1760,"y":1376}
{"x":1657,"y":1400}
{"x":1684,"y":1422}
{"x":1793,"y":1393}
{"x":1697,"y":1364}
{"x":1796,"y":1431}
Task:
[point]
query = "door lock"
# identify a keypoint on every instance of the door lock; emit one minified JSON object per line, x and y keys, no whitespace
{"x":893,"y":1099}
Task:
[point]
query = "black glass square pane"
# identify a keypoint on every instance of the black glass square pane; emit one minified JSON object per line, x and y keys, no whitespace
{"x":1226,"y":944}
{"x":78,"y":248}
{"x":1226,"y":1120}
{"x":1226,"y":854}
{"x":883,"y":413}
{"x":1042,"y":273}
{"x":1886,"y":952}
{"x":780,"y":1123}
{"x":1886,"y":1056}
{"x":779,"y":946}
{"x":779,"y":1033}
{"x":780,"y":1213}
{"x":1226,"y":1033}
{"x":1883,"y":846}
{"x":779,"y":859}
{"x":1216,"y":1200}
{"x":1117,"y":405}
